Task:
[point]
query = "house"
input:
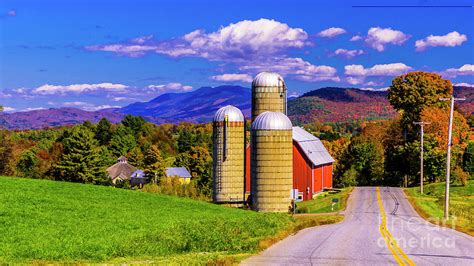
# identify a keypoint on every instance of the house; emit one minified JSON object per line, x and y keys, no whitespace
{"x":138,"y":178}
{"x":121,"y":171}
{"x":312,"y":165}
{"x":180,"y":172}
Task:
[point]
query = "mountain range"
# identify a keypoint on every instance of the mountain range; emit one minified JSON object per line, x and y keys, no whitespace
{"x":329,"y":104}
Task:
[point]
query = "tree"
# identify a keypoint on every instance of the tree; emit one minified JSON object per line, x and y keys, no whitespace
{"x":468,"y":159}
{"x":199,"y":162}
{"x":154,"y":164}
{"x":26,"y":164}
{"x":135,"y":157}
{"x":122,"y":141}
{"x":103,"y":131}
{"x":6,"y":154}
{"x":135,"y":123}
{"x":411,"y":93}
{"x":80,"y":160}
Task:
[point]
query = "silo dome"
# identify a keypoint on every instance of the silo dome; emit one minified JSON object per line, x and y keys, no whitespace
{"x":268,"y":79}
{"x":233,"y":114}
{"x":272,"y":121}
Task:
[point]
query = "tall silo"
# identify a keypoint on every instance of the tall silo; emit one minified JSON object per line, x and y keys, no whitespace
{"x":271,"y":165}
{"x":268,"y":94}
{"x":228,"y":156}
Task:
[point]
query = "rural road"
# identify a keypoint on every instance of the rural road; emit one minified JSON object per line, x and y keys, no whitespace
{"x":362,"y":238}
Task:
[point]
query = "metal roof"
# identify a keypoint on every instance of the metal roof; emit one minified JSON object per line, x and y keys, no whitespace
{"x":233,"y":114}
{"x":312,"y":147}
{"x":138,"y":174}
{"x":268,"y":79}
{"x":272,"y":121}
{"x":177,"y":171}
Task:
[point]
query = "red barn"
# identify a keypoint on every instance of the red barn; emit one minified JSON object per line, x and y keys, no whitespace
{"x":312,"y":165}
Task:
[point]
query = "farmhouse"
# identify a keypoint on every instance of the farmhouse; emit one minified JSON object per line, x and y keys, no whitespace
{"x":180,"y":172}
{"x":312,"y":165}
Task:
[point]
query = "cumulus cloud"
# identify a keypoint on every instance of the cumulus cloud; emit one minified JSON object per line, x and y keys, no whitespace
{"x":233,"y":77}
{"x":88,"y":106}
{"x":393,"y":69}
{"x":349,"y":54}
{"x":173,"y":86}
{"x":142,"y":39}
{"x":378,"y":38}
{"x":331,"y":32}
{"x":355,"y":80}
{"x":77,"y":88}
{"x":374,"y":89}
{"x":8,"y":109}
{"x":464,"y":84}
{"x":449,"y":40}
{"x":355,"y":38}
{"x":243,"y":40}
{"x":297,"y":68}
{"x":465,"y":70}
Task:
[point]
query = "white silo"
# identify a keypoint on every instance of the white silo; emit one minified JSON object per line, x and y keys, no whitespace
{"x":269,"y":93}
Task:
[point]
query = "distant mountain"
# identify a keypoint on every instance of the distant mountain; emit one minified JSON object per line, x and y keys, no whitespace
{"x":330,"y":104}
{"x":195,"y":106}
{"x":55,"y":117}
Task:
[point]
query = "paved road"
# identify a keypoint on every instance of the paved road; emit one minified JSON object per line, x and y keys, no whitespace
{"x":369,"y":236}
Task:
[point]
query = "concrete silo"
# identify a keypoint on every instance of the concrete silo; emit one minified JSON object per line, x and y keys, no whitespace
{"x":268,"y":94}
{"x":228,"y":156}
{"x":271,"y":166}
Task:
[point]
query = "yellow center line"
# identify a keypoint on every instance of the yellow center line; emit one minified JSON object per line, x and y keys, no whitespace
{"x":400,"y":257}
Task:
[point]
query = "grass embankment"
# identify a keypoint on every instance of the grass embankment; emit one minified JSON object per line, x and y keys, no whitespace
{"x":431,"y":205}
{"x":45,"y":221}
{"x":323,"y":202}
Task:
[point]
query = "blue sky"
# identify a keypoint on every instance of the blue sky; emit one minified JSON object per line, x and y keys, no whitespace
{"x":98,"y":54}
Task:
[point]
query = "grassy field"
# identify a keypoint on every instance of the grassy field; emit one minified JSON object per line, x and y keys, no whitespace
{"x":322,"y":203}
{"x":46,"y":221}
{"x":431,"y":204}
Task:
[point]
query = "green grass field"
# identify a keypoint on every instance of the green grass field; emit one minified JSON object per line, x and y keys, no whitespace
{"x":431,"y":204}
{"x":47,"y":221}
{"x":322,"y":203}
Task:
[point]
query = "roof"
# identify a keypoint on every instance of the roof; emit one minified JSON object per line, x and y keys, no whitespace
{"x":268,"y":79}
{"x":272,"y":121}
{"x":312,"y":147}
{"x":233,"y":114}
{"x":121,"y":169}
{"x":138,"y":174}
{"x":177,"y":171}
{"x":122,"y":158}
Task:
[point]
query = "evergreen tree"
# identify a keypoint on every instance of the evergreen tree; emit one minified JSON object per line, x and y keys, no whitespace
{"x":27,"y":163}
{"x":135,"y":157}
{"x":80,"y":160}
{"x":135,"y":123}
{"x":122,"y":141}
{"x":103,"y":131}
{"x":154,"y":164}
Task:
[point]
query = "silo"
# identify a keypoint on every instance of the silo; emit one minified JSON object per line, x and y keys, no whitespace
{"x":271,"y":165}
{"x":268,"y":94}
{"x":228,"y":156}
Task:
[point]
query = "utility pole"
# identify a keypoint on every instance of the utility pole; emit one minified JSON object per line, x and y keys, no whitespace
{"x":422,"y":124}
{"x":448,"y":153}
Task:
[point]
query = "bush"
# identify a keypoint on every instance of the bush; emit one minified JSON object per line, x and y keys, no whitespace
{"x":173,"y":186}
{"x":459,"y":177}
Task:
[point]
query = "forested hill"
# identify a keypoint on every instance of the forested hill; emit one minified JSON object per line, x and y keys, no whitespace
{"x":329,"y":104}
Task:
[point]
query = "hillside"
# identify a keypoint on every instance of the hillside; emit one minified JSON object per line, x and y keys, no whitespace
{"x":196,"y":106}
{"x":51,"y":221}
{"x":329,"y":104}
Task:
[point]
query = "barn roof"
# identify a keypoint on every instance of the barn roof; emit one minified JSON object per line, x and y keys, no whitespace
{"x":312,"y":147}
{"x":177,"y":171}
{"x":121,"y":169}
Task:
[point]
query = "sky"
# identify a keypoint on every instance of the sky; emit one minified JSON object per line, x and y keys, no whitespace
{"x":102,"y":54}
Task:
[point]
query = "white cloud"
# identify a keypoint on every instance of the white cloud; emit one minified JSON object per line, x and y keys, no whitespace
{"x":349,"y":54}
{"x":173,"y":86}
{"x":88,"y":106}
{"x":378,"y":37}
{"x":464,"y":84}
{"x":355,"y":80}
{"x":242,"y":40}
{"x":118,"y":99}
{"x":32,"y":109}
{"x":77,"y":88}
{"x":20,"y":90}
{"x":465,"y":70}
{"x":8,"y":109}
{"x":331,"y":32}
{"x":11,"y":13}
{"x":449,"y":40}
{"x":393,"y":69}
{"x":233,"y":77}
{"x":5,"y":95}
{"x":297,"y":68}
{"x":142,"y":39}
{"x":374,"y":89}
{"x":355,"y":38}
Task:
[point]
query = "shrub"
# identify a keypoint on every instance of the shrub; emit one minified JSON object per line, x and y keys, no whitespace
{"x":459,"y":177}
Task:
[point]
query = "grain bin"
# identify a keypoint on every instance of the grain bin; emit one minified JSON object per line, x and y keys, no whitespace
{"x":271,"y":165}
{"x":228,"y":156}
{"x":268,"y":94}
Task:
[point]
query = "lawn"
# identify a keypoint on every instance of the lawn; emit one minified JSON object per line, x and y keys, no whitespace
{"x":431,"y":204}
{"x":45,"y":221}
{"x":324,"y":201}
